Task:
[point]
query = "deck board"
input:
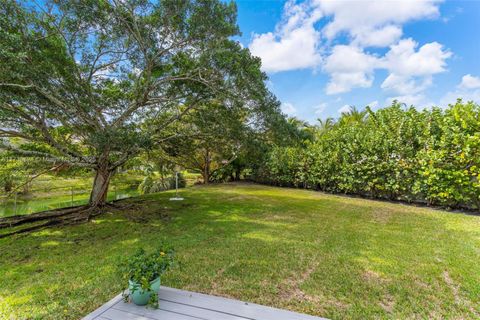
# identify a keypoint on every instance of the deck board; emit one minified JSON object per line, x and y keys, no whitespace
{"x":175,"y":304}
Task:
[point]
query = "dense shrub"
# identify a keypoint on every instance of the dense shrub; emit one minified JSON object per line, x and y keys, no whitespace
{"x":394,"y":153}
{"x":152,"y":184}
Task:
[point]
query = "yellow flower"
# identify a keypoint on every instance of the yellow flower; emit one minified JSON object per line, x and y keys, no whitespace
{"x":162,"y":253}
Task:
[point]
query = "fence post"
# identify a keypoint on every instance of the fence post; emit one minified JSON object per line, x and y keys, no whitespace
{"x":71,"y":191}
{"x":15,"y":204}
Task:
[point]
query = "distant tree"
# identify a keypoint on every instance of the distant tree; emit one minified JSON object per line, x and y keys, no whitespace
{"x":79,"y":79}
{"x":16,"y":174}
{"x":353,"y":115}
{"x":209,"y":139}
{"x":326,"y":124}
{"x":12,"y":172}
{"x":300,"y":130}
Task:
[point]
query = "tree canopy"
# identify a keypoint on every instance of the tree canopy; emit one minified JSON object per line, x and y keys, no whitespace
{"x":80,"y":80}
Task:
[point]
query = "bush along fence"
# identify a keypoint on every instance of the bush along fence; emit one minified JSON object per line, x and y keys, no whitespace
{"x":397,"y":153}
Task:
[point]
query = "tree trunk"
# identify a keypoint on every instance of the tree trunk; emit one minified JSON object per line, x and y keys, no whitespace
{"x":206,"y":169}
{"x":98,"y":196}
{"x":206,"y":175}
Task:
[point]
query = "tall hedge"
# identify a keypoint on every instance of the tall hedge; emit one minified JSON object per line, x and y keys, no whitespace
{"x":396,"y":153}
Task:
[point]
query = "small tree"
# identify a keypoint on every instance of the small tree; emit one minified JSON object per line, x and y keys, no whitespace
{"x":212,"y":138}
{"x":80,"y":78}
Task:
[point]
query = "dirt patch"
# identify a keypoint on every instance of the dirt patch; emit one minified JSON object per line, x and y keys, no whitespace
{"x":216,"y":287}
{"x":219,"y":274}
{"x":146,"y":211}
{"x":388,"y":303}
{"x":140,"y":214}
{"x":433,"y":315}
{"x":456,"y":294}
{"x":372,"y":276}
{"x":143,"y":218}
{"x":381,"y":216}
{"x":290,"y":290}
{"x":455,"y":290}
{"x":419,"y":283}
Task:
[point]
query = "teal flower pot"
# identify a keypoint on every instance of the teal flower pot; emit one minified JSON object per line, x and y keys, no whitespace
{"x":138,"y":295}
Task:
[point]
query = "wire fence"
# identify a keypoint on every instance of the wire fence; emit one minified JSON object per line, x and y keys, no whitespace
{"x":41,"y":199}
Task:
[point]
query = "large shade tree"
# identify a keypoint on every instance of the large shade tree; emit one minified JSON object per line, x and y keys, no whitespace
{"x":80,"y":79}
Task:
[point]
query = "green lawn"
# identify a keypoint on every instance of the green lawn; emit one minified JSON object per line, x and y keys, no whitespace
{"x":325,"y":255}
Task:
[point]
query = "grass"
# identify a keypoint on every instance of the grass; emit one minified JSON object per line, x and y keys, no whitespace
{"x":325,"y":255}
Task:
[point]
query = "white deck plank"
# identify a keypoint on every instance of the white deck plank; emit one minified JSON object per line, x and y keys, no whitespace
{"x":178,"y":304}
{"x":97,"y":313}
{"x":116,"y":314}
{"x":230,"y":306}
{"x":181,"y":309}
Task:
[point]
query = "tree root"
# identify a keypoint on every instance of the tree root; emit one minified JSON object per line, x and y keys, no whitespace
{"x":34,"y":217}
{"x":40,"y":220}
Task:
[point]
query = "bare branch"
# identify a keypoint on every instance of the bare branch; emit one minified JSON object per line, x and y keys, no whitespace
{"x":16,"y":85}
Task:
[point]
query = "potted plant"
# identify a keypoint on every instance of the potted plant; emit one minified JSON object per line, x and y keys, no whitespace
{"x":142,"y":273}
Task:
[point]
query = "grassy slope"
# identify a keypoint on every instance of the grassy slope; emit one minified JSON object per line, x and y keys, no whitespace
{"x":320,"y":254}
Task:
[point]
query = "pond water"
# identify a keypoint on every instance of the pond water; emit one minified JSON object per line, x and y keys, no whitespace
{"x":32,"y":205}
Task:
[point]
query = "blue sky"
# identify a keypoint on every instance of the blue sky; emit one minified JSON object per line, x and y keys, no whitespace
{"x":324,"y":55}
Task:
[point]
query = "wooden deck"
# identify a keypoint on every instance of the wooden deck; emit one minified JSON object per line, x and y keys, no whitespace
{"x":177,"y":304}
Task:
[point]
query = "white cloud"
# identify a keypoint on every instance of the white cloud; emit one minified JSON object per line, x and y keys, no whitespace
{"x":309,"y":33}
{"x":373,"y":105}
{"x":404,"y":60}
{"x":349,"y":67}
{"x":346,"y":108}
{"x":288,"y":108}
{"x":411,"y":70}
{"x":320,"y":108}
{"x":405,"y":84}
{"x":377,"y":37}
{"x":468,"y":90}
{"x":470,"y":82}
{"x":295,"y":42}
{"x":417,"y":100}
{"x":451,"y":97}
{"x":374,"y":23}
